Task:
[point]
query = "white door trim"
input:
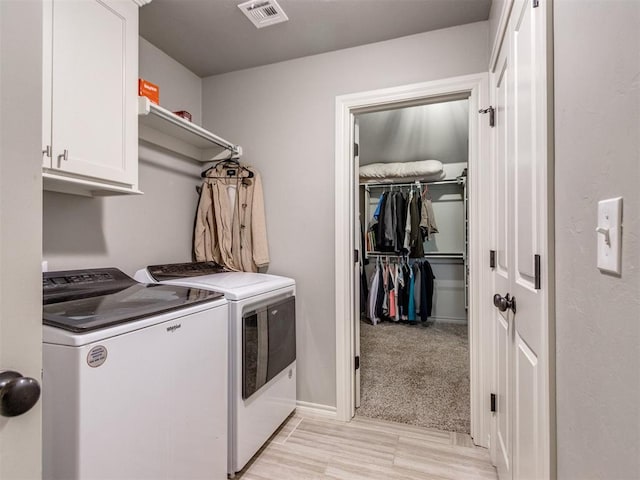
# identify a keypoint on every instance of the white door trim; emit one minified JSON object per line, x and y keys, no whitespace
{"x":476,"y":87}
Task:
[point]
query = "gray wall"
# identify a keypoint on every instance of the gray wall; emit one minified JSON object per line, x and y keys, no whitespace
{"x":597,"y":150}
{"x":180,"y":89}
{"x":283,"y":116}
{"x":133,"y":231}
{"x":438,"y":131}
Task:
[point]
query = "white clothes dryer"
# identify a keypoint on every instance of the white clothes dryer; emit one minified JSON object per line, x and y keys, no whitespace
{"x":262,"y":348}
{"x":134,"y":379}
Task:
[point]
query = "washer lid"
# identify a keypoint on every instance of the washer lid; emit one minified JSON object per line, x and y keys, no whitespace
{"x":236,"y":285}
{"x":82,"y":301}
{"x":174,"y":271}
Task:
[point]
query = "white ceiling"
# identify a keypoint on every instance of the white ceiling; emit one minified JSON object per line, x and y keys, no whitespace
{"x":210,"y":37}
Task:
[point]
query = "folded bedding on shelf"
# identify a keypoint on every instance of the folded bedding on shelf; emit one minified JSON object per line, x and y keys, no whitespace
{"x":405,"y":171}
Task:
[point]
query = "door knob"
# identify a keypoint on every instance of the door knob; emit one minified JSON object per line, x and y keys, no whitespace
{"x":18,"y":394}
{"x":504,"y":303}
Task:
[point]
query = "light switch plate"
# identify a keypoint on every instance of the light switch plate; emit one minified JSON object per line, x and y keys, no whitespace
{"x":609,"y":232}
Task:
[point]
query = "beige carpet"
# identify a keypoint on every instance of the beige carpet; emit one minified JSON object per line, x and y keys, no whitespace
{"x":416,"y":375}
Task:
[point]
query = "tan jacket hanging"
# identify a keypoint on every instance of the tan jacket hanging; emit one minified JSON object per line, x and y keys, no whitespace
{"x":230,"y":224}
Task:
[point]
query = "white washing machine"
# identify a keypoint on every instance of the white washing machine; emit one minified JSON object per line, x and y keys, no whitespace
{"x":134,"y":379}
{"x":262,"y":353}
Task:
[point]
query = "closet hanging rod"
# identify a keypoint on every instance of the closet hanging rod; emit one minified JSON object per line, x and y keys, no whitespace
{"x":456,"y":256}
{"x":453,"y":256}
{"x":455,"y":181}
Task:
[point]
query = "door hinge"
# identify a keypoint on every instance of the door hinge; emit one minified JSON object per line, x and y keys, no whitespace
{"x":356,"y":256}
{"x":536,"y":3}
{"x":356,"y":150}
{"x":492,"y":258}
{"x":536,"y":269}
{"x":493,"y":402}
{"x":357,"y":362}
{"x":492,"y":115}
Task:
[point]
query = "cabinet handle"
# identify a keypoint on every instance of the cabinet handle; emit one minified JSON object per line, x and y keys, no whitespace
{"x":64,"y":156}
{"x":47,"y":151}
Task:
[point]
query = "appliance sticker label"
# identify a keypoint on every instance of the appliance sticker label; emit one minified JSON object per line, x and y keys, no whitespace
{"x":97,"y":356}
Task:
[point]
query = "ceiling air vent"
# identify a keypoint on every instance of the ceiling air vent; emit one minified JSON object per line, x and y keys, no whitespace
{"x":263,"y":13}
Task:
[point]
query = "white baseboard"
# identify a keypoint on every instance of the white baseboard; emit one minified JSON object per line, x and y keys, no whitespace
{"x":316,"y":409}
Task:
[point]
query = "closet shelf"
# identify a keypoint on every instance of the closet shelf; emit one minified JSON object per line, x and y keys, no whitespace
{"x":161,"y":127}
{"x":453,"y":181}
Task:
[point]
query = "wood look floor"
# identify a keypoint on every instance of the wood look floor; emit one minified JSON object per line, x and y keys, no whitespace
{"x":310,"y":448}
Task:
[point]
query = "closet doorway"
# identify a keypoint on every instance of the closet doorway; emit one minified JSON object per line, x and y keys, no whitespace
{"x":453,"y":255}
{"x":413,"y":204}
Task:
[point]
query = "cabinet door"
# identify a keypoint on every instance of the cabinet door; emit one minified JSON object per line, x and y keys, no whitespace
{"x":94,"y":117}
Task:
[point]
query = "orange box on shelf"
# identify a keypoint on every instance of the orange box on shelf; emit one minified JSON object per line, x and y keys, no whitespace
{"x":149,"y":90}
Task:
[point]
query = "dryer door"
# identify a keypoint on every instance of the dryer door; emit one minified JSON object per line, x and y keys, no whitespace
{"x":268,"y":344}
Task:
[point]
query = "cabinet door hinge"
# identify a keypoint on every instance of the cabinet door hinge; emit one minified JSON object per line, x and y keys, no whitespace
{"x":356,"y":150}
{"x":493,"y":402}
{"x":536,"y":269}
{"x":357,"y":362}
{"x":492,"y":258}
{"x":356,"y":256}
{"x":492,"y":115}
{"x":536,"y":3}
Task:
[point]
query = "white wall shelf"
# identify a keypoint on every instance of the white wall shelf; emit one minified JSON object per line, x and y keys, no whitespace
{"x":161,"y":127}
{"x":53,"y":181}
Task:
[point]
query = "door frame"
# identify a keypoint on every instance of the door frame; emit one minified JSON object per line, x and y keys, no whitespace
{"x":476,"y":88}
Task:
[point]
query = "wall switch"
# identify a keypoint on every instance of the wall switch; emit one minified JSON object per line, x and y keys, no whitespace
{"x":609,"y":232}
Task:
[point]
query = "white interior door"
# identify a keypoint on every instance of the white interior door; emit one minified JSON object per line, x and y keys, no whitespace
{"x":503,"y":321}
{"x":522,"y":338}
{"x":531,"y":336}
{"x":356,"y":276}
{"x":21,"y":229}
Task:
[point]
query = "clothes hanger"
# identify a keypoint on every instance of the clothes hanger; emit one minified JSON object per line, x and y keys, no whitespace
{"x":230,"y":162}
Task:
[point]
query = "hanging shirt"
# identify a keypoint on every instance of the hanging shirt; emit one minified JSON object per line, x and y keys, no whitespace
{"x":379,"y":227}
{"x":397,"y":280}
{"x":372,"y":298}
{"x":418,"y":285}
{"x":412,"y":304}
{"x":407,"y":226}
{"x":427,"y":216}
{"x":392,"y":293}
{"x":407,"y":279}
{"x":426,"y":290}
{"x":401,"y":220}
{"x":416,"y":239}
{"x":364,"y":287}
{"x":389,"y":225}
{"x":381,"y":301}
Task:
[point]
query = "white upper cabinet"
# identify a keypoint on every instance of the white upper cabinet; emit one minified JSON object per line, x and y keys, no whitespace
{"x":90,"y":96}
